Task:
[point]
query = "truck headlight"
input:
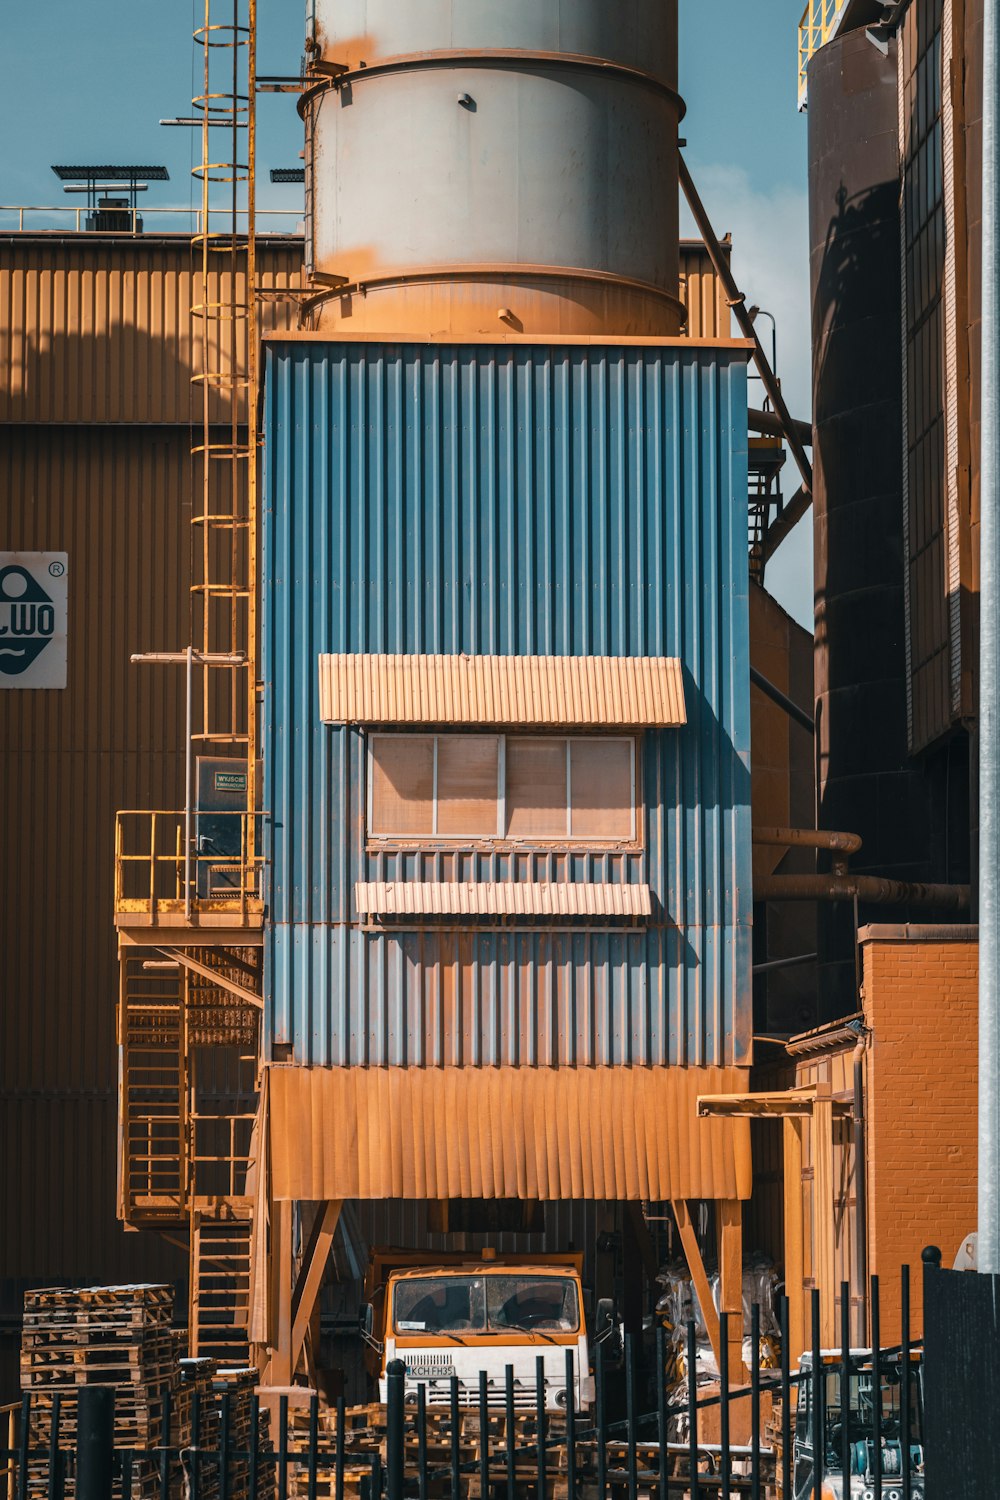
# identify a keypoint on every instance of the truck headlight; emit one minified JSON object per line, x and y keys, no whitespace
{"x":560,"y":1397}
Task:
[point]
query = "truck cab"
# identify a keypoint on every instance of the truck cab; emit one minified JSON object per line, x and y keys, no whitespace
{"x":456,"y":1315}
{"x":860,"y":1483}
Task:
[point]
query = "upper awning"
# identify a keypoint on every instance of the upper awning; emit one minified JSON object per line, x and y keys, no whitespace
{"x":597,"y":692}
{"x":501,"y":898}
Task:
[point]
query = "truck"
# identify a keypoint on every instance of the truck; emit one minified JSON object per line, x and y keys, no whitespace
{"x":456,"y":1315}
{"x":860,"y":1483}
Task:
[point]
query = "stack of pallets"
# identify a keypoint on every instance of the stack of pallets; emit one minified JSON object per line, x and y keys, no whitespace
{"x":238,"y":1387}
{"x":109,"y":1336}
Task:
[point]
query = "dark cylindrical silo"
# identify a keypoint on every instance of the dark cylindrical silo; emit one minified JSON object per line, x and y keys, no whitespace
{"x":866,"y":782}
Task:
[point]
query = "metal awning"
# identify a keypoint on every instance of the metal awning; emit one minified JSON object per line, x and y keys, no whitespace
{"x":500,"y":898}
{"x":599,"y":692}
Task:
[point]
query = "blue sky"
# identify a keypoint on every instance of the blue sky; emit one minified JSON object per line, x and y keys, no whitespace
{"x":89,"y":81}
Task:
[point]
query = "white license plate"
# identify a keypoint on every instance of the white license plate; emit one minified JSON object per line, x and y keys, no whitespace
{"x":417,"y":1371}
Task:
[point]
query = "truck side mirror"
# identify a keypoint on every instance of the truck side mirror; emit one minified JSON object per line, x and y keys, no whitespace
{"x":605,"y":1320}
{"x":366,"y":1319}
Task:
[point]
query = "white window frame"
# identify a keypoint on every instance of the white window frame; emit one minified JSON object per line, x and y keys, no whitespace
{"x":500,"y":836}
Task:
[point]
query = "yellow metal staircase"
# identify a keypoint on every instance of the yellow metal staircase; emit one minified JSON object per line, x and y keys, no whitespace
{"x":220,"y":1281}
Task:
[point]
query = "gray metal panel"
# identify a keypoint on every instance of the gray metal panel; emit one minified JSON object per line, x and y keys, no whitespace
{"x":572,"y":500}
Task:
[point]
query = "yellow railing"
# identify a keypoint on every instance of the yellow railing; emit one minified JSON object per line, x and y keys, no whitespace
{"x":820,"y":21}
{"x":172,"y":866}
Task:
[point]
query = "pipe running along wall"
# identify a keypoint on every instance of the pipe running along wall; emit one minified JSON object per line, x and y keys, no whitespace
{"x":476,"y":170}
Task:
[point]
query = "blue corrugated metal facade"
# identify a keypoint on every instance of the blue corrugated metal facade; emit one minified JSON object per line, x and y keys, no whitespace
{"x":574,"y":499}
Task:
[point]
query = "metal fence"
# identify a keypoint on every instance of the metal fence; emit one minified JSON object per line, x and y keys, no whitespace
{"x":639,"y":1437}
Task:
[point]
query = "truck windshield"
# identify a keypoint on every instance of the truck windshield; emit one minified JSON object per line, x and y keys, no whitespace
{"x":481,"y":1304}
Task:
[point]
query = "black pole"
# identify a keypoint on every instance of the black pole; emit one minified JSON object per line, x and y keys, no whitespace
{"x":816,"y":1393}
{"x":395,"y":1417}
{"x":692,"y":1373}
{"x":755,"y":1401}
{"x":786,"y":1400}
{"x":904,"y":1381}
{"x":456,"y":1457}
{"x":511,"y":1425}
{"x":23,"y":1446}
{"x":540,"y":1434}
{"x":95,"y":1442}
{"x":484,"y":1435}
{"x":422,"y":1440}
{"x":165,"y":1446}
{"x":224,"y":1452}
{"x":601,"y":1415}
{"x":845,"y":1385}
{"x":570,"y":1425}
{"x":661,"y":1410}
{"x":725,"y":1457}
{"x":53,"y":1484}
{"x":630,"y":1414}
{"x":876,"y":1385}
{"x":338,"y":1472}
{"x":282,"y":1447}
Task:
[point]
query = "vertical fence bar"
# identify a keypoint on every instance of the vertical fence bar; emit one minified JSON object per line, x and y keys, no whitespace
{"x":422,"y":1440}
{"x":224,"y":1448}
{"x":816,"y":1398}
{"x":755,"y":1401}
{"x":786,"y":1400}
{"x":254,"y":1446}
{"x":166,"y":1410}
{"x":540,"y":1424}
{"x":484,"y":1435}
{"x":196,"y":1445}
{"x":692,"y":1403}
{"x":127,"y":1459}
{"x":601,"y":1415}
{"x":876,"y":1385}
{"x":95,"y":1443}
{"x":570,"y":1425}
{"x":511,"y":1424}
{"x":282,"y":1448}
{"x":313,"y":1445}
{"x":725,"y":1457}
{"x":632,"y":1463}
{"x":395,"y":1382}
{"x":23,"y":1442}
{"x":663,"y":1457}
{"x":904,"y":1380}
{"x":53,"y":1487}
{"x":845,"y":1385}
{"x":338,"y":1460}
{"x":456,"y":1466}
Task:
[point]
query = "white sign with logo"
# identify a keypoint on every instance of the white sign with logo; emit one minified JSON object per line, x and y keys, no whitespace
{"x":34,"y":588}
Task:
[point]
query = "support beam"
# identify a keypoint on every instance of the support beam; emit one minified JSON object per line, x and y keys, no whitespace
{"x":824,"y":1273}
{"x":729,"y":1219}
{"x":306,"y":1294}
{"x":791,"y":514}
{"x":795,"y":1270}
{"x":280,"y":1370}
{"x":696,"y":1266}
{"x":195,"y":966}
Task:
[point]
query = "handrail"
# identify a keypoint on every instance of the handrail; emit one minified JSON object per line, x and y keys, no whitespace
{"x":191,"y":215}
{"x":820,"y":22}
{"x":150,"y":865}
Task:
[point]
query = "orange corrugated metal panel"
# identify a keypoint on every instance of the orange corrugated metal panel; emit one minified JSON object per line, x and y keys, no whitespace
{"x":604,"y":691}
{"x":618,"y":1133}
{"x":702,"y":293}
{"x":418,"y":898}
{"x":103,"y":331}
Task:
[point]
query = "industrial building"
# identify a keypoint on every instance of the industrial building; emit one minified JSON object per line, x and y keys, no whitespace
{"x":487,"y":865}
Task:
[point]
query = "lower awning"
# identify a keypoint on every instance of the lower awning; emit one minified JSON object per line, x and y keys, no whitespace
{"x":547,"y":1133}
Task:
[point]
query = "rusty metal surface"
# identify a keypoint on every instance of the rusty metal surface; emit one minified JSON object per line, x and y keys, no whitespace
{"x":532,"y":131}
{"x":457,"y":483}
{"x":111,"y":499}
{"x":104,"y":332}
{"x":511,"y":690}
{"x":552,"y":1133}
{"x":522,"y":898}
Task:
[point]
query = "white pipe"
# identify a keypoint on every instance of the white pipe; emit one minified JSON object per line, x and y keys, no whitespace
{"x":989,"y":685}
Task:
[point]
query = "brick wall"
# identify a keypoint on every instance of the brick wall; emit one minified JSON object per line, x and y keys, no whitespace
{"x":920,"y":1001}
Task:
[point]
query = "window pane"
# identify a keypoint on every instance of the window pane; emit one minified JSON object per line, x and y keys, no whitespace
{"x":601,"y":788}
{"x":402,"y":785}
{"x":467,"y":784}
{"x":536,"y":788}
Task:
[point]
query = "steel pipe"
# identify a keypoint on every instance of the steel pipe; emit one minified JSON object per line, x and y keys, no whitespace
{"x":768,"y":423}
{"x":809,"y":838}
{"x":988,"y":1205}
{"x":775,"y":694}
{"x":872,"y":888}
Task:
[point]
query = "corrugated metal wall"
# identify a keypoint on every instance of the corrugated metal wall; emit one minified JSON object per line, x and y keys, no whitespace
{"x":98,"y":330}
{"x":96,"y":342}
{"x":569,"y":500}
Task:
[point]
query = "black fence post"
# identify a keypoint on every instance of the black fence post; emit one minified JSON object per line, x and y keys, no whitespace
{"x":876,"y":1320}
{"x":95,"y":1442}
{"x":692,"y":1404}
{"x":904,"y":1381}
{"x":725,"y":1456}
{"x":601,"y":1421}
{"x":817,"y":1393}
{"x":786,"y":1401}
{"x":395,"y":1417}
{"x":755,"y":1401}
